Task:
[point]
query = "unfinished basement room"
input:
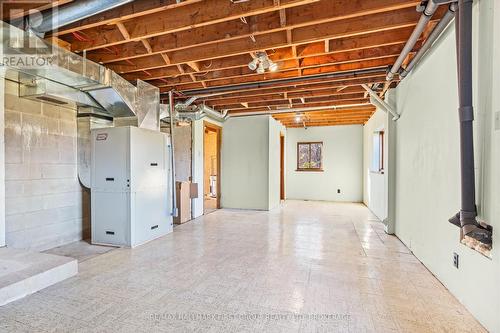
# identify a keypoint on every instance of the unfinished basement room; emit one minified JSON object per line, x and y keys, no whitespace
{"x":250,"y":166}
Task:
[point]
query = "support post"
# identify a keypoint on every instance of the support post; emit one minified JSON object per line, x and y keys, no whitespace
{"x":172,"y":154}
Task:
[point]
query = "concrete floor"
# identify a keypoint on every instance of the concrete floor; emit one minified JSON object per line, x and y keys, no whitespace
{"x":209,"y":205}
{"x":307,"y":267}
{"x":81,"y":250}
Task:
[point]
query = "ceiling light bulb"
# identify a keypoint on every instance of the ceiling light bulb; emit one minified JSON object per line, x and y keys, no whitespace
{"x":273,"y":67}
{"x":261,"y":69}
{"x":253,"y":64}
{"x":298,"y":118}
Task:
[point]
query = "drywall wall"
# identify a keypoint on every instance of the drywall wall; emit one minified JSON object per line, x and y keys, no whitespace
{"x":342,"y":164}
{"x":198,"y":129}
{"x":2,"y":164}
{"x":276,"y":129}
{"x":182,"y":151}
{"x":44,"y":202}
{"x":428,"y":169}
{"x":375,"y":183}
{"x":245,"y":163}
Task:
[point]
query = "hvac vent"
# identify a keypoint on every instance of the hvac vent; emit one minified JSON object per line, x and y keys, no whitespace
{"x":51,"y":100}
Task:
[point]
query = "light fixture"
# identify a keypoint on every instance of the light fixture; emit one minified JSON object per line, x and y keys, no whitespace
{"x":261,"y":62}
{"x":298,"y":118}
{"x":273,"y":67}
{"x":253,"y":64}
{"x":261,"y":69}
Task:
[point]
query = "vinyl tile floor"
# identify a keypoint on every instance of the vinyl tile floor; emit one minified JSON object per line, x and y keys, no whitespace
{"x":304,"y":267}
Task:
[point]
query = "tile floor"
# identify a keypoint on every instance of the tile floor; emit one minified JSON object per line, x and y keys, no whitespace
{"x":307,"y":267}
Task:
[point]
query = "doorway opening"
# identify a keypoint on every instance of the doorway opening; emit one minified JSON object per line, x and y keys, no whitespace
{"x":211,"y":165}
{"x":282,"y":167}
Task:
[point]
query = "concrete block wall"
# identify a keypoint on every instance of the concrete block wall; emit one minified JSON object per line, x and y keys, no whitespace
{"x":45,"y":205}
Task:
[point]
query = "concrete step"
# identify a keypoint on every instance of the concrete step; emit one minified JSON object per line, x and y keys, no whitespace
{"x":24,"y":272}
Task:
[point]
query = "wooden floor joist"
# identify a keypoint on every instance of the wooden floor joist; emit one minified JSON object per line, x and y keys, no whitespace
{"x":200,"y":44}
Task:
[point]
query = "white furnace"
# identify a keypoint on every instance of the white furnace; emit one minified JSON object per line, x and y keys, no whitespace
{"x":131,"y":186}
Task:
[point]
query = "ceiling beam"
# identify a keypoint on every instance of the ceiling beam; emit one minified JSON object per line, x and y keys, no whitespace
{"x":239,"y":109}
{"x":129,"y":11}
{"x":227,"y":31}
{"x":345,"y":67}
{"x":317,"y":61}
{"x":282,"y":96}
{"x":174,"y":20}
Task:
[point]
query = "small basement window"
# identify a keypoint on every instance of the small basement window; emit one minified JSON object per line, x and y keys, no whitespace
{"x":310,"y":156}
{"x":378,"y":152}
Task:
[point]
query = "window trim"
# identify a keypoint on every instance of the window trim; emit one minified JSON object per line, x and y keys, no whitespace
{"x":381,"y":162}
{"x":320,"y":169}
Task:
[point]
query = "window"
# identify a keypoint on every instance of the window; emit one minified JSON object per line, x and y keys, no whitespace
{"x":310,"y":156}
{"x":378,"y":152}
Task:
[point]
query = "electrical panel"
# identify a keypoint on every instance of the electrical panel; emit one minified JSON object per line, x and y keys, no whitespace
{"x":131,"y":186}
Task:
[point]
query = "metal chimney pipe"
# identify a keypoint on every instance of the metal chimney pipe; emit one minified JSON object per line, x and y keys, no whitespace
{"x":54,"y":18}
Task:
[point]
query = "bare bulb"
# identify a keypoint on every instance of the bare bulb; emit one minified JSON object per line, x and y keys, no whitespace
{"x":253,"y":65}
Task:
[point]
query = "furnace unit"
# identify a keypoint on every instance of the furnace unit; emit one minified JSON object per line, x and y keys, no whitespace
{"x":131,"y":186}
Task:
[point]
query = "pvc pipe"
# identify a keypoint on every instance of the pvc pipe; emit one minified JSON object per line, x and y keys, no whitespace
{"x":384,"y":105}
{"x":172,"y":154}
{"x":468,"y":209}
{"x":468,"y":212}
{"x":436,"y":32}
{"x":426,"y":16}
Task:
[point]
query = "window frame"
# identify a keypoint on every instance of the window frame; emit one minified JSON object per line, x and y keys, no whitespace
{"x":309,"y":143}
{"x":381,"y":152}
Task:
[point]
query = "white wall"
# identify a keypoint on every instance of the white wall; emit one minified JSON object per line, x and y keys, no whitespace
{"x":428,"y":169}
{"x":198,"y":132}
{"x":375,"y":183}
{"x":342,"y":164}
{"x":245,"y":163}
{"x":251,"y":163}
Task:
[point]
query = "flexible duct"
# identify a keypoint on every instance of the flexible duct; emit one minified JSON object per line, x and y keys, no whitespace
{"x":216,"y":115}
